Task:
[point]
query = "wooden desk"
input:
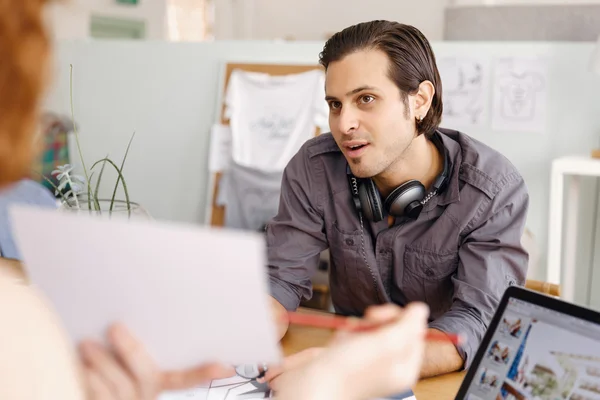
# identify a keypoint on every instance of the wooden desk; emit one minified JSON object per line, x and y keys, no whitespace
{"x":298,"y":338}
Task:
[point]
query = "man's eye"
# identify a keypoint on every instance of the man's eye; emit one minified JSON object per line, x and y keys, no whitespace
{"x":366,"y":99}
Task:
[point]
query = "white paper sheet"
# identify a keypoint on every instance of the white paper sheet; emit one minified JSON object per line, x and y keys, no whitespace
{"x":223,"y":389}
{"x":519,"y":95}
{"x":191,"y":294}
{"x":220,"y":148}
{"x":237,"y":388}
{"x":465,"y":83}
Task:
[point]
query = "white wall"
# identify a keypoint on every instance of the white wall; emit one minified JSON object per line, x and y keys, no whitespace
{"x":70,"y":19}
{"x":168,"y":93}
{"x":314,"y":19}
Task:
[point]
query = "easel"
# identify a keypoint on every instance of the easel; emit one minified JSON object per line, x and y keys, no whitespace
{"x":216,"y":214}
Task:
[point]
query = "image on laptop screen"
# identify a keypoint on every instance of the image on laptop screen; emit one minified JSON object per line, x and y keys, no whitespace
{"x":538,"y":353}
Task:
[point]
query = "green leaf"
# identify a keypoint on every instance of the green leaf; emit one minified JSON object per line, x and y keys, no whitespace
{"x":98,"y":182}
{"x":89,"y":191}
{"x":94,"y":198}
{"x":112,"y":200}
{"x":77,"y":134}
{"x":108,"y":160}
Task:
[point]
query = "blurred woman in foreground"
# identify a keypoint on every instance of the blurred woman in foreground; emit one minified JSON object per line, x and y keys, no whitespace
{"x":36,"y":358}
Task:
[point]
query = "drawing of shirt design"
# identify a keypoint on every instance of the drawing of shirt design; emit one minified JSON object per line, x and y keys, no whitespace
{"x":260,"y":205}
{"x":464,"y":90}
{"x":250,"y":196}
{"x":518,"y":95}
{"x":233,"y":388}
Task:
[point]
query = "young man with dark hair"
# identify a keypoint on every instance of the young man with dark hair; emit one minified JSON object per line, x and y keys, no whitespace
{"x":409,"y":211}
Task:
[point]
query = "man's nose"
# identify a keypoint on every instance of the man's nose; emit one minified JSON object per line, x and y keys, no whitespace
{"x":348,"y":121}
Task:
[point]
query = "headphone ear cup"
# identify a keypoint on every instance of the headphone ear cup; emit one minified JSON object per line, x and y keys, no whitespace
{"x":402,"y":200}
{"x":370,"y":200}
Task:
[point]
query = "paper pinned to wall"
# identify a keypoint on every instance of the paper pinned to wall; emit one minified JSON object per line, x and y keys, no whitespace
{"x":219,"y":154}
{"x":519,"y":94}
{"x":465,"y":82}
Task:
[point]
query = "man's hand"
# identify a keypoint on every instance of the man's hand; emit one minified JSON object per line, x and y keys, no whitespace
{"x":279,"y":313}
{"x":363,"y":365}
{"x":440,"y":358}
{"x":128,"y":372}
{"x":294,"y":361}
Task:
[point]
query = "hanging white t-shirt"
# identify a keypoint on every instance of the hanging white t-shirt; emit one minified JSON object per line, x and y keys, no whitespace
{"x":250,"y":196}
{"x":219,"y":152}
{"x":272,"y":116}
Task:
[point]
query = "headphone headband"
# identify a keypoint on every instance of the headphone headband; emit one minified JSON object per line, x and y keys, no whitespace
{"x":442,"y":178}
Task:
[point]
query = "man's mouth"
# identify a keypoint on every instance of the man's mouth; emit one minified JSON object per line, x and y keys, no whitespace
{"x":356,"y":148}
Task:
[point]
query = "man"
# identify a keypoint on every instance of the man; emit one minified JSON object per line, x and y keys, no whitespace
{"x":453,"y":242}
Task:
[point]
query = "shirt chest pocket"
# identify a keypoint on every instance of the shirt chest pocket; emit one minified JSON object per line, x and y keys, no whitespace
{"x":427,"y":277}
{"x":345,"y":250}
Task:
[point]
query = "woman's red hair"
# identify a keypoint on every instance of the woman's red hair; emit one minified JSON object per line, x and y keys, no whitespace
{"x":24,"y":49}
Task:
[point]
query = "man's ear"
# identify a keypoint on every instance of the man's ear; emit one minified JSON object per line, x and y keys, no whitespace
{"x":422,"y":99}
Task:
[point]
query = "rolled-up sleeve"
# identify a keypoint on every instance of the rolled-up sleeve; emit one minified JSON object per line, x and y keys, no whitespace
{"x":296,"y":235}
{"x":491,"y":258}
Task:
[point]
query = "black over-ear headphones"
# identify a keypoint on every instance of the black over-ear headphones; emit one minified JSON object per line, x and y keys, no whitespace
{"x":407,"y":199}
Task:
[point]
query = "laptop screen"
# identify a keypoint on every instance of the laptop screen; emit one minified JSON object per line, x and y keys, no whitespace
{"x":539,"y":353}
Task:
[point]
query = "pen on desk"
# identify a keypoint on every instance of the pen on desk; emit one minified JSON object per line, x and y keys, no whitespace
{"x":357,"y":325}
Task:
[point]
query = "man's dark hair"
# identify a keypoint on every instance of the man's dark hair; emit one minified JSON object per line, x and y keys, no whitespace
{"x":411,"y":60}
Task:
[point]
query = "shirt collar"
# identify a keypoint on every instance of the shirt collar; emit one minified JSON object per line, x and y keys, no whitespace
{"x":450,"y":193}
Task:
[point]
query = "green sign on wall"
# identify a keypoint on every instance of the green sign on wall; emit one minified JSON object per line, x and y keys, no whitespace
{"x":116,"y":28}
{"x":127,"y":1}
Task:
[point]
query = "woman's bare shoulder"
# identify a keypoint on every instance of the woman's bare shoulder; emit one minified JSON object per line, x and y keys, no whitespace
{"x":37,"y":360}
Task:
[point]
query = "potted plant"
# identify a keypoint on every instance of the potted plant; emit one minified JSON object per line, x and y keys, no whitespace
{"x":81,"y":193}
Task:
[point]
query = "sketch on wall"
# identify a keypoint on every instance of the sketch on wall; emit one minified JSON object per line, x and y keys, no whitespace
{"x":519,"y":95}
{"x":465,"y":91}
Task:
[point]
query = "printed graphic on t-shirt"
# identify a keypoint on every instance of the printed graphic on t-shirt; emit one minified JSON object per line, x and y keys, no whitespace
{"x":250,"y":196}
{"x":274,"y":125}
{"x":272,"y":116}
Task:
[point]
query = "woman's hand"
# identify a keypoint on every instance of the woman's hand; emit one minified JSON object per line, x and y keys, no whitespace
{"x":127,"y":372}
{"x":363,"y":365}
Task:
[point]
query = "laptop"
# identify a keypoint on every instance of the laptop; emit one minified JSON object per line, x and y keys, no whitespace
{"x":536,"y":347}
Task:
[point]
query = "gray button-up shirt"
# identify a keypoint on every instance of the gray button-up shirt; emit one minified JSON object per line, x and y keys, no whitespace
{"x":458,"y":256}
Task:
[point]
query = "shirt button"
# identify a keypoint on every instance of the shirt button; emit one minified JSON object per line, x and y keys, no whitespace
{"x":429,"y":272}
{"x":350,"y":242}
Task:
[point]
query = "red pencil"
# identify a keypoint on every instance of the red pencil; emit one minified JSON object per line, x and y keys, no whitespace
{"x":357,"y":325}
